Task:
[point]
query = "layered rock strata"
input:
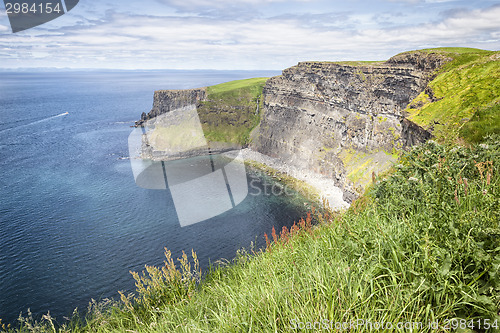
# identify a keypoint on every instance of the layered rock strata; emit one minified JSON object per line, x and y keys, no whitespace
{"x":339,"y":120}
{"x":344,"y":121}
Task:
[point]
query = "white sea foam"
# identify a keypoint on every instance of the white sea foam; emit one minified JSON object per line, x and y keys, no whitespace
{"x":35,"y":122}
{"x":324,"y":185}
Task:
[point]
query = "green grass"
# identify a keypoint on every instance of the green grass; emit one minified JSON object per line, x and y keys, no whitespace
{"x":456,"y":50}
{"x":232,"y":110}
{"x":252,"y":84}
{"x":355,"y":63}
{"x":462,"y":100}
{"x":421,"y":246}
{"x":360,"y":166}
{"x":484,"y":120}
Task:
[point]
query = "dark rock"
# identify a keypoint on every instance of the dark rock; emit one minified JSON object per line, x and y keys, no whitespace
{"x":166,"y":100}
{"x":315,"y":111}
{"x":328,"y":118}
{"x":413,"y":134}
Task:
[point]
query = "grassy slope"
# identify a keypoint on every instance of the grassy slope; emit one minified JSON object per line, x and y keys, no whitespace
{"x":463,"y":99}
{"x":422,"y":245}
{"x":230,"y":113}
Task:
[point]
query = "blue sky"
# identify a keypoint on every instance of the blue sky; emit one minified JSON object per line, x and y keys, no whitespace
{"x":245,"y":34}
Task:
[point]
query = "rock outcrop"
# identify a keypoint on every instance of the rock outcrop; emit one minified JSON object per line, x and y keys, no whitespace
{"x":167,"y":100}
{"x":343,"y":121}
{"x":339,"y":120}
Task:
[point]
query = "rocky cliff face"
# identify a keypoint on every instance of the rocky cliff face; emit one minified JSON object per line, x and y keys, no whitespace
{"x":343,"y":121}
{"x":226,"y":115}
{"x":168,"y":100}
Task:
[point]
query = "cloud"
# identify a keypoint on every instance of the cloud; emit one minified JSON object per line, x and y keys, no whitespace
{"x":238,"y":10}
{"x":466,"y":27}
{"x":474,"y":21}
{"x":323,"y":21}
{"x":422,"y":1}
{"x":118,"y":40}
{"x":193,"y":5}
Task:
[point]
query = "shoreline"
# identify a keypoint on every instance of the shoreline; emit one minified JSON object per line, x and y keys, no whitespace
{"x":323,"y":185}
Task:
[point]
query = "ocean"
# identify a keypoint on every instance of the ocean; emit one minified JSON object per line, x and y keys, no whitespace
{"x":73,"y":223}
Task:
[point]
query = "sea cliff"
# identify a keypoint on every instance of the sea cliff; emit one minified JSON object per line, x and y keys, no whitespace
{"x":343,"y":121}
{"x":167,"y":100}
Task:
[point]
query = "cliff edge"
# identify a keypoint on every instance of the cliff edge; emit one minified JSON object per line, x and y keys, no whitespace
{"x":348,"y":121}
{"x":344,"y":120}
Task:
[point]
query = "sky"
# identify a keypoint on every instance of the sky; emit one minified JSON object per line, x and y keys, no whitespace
{"x":245,"y":34}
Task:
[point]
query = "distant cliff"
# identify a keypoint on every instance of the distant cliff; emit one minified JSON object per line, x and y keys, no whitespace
{"x":343,"y":120}
{"x":168,"y":100}
{"x":227,"y":114}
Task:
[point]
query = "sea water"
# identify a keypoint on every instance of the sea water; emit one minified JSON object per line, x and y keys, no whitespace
{"x":73,"y":223}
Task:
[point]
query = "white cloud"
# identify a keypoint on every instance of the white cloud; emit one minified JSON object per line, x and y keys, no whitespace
{"x":422,"y":1}
{"x":438,"y":1}
{"x":467,"y":28}
{"x":124,"y":41}
{"x":193,"y":4}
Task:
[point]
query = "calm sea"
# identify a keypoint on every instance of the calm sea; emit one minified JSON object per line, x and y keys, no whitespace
{"x":72,"y":221}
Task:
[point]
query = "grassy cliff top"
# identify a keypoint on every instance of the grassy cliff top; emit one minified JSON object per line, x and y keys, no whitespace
{"x":462,"y":101}
{"x":451,"y":50}
{"x":231,"y":86}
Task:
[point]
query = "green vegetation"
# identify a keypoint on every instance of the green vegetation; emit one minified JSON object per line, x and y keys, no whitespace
{"x":352,"y":63}
{"x":361,"y":166}
{"x":254,"y":84}
{"x":455,"y":50}
{"x":232,"y":110}
{"x":462,"y":100}
{"x":421,"y":246}
{"x":485,"y":120}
